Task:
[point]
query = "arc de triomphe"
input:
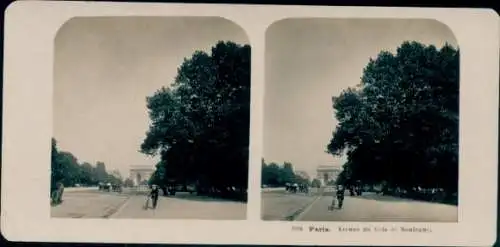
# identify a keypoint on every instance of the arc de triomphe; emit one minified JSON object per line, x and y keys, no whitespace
{"x":327,"y":174}
{"x":140,"y":174}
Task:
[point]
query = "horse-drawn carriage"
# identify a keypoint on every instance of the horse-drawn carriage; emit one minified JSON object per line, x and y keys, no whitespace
{"x":304,"y":188}
{"x":295,"y":187}
{"x":355,"y":188}
{"x":291,"y":187}
{"x":104,"y":186}
{"x":109,"y":187}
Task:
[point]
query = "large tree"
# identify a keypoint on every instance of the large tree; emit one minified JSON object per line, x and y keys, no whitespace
{"x":66,"y":169}
{"x":100,"y":171}
{"x":400,"y":125}
{"x":272,"y":175}
{"x":200,"y":125}
{"x":276,"y":175}
{"x":87,"y":174}
{"x":288,"y":175}
{"x":68,"y":163}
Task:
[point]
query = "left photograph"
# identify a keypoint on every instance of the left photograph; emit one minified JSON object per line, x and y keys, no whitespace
{"x":151,"y":118}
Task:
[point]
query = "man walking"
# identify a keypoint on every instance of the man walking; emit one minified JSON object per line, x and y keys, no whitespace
{"x":154,"y":195}
{"x":57,"y":193}
{"x":340,"y":195}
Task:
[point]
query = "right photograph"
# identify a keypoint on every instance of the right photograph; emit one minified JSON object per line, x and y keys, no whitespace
{"x":361,"y":121}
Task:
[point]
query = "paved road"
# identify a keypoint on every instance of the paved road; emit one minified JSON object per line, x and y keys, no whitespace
{"x":183,"y":206}
{"x":369,"y":207}
{"x":88,"y":204}
{"x":95,"y":204}
{"x":280,"y":205}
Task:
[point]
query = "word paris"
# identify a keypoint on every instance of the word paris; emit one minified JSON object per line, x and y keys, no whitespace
{"x":313,"y":228}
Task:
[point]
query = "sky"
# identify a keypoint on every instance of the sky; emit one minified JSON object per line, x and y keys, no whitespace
{"x":310,"y":60}
{"x":104,"y":69}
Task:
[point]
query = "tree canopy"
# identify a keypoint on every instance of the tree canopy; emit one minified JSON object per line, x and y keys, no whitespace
{"x":66,"y":169}
{"x":400,"y":125}
{"x":200,"y":125}
{"x":276,"y":175}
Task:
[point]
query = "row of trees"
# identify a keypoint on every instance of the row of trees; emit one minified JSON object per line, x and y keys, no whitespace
{"x":200,"y":125}
{"x":276,"y":175}
{"x":400,"y":125}
{"x":66,"y":169}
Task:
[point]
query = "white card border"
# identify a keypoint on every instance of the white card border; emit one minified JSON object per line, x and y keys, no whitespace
{"x":30,"y":28}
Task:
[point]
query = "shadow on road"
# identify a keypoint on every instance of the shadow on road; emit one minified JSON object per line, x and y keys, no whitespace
{"x":283,"y":193}
{"x":387,"y":198}
{"x":384,"y":198}
{"x":91,"y":204}
{"x":194,"y":197}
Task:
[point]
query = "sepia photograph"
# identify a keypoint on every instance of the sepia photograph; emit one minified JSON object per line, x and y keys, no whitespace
{"x":361,"y":121}
{"x":151,"y":118}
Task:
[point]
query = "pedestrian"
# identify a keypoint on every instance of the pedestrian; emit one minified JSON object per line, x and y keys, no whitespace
{"x":57,"y":194}
{"x":340,"y":195}
{"x":154,"y":195}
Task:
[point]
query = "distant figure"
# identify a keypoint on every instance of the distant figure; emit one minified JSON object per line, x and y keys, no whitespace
{"x":340,"y":195}
{"x":287,"y":187}
{"x":164,"y":190}
{"x":57,"y":194}
{"x":117,"y":188}
{"x":359,"y":190}
{"x":154,"y":195}
{"x":304,"y":188}
{"x":351,"y":190}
